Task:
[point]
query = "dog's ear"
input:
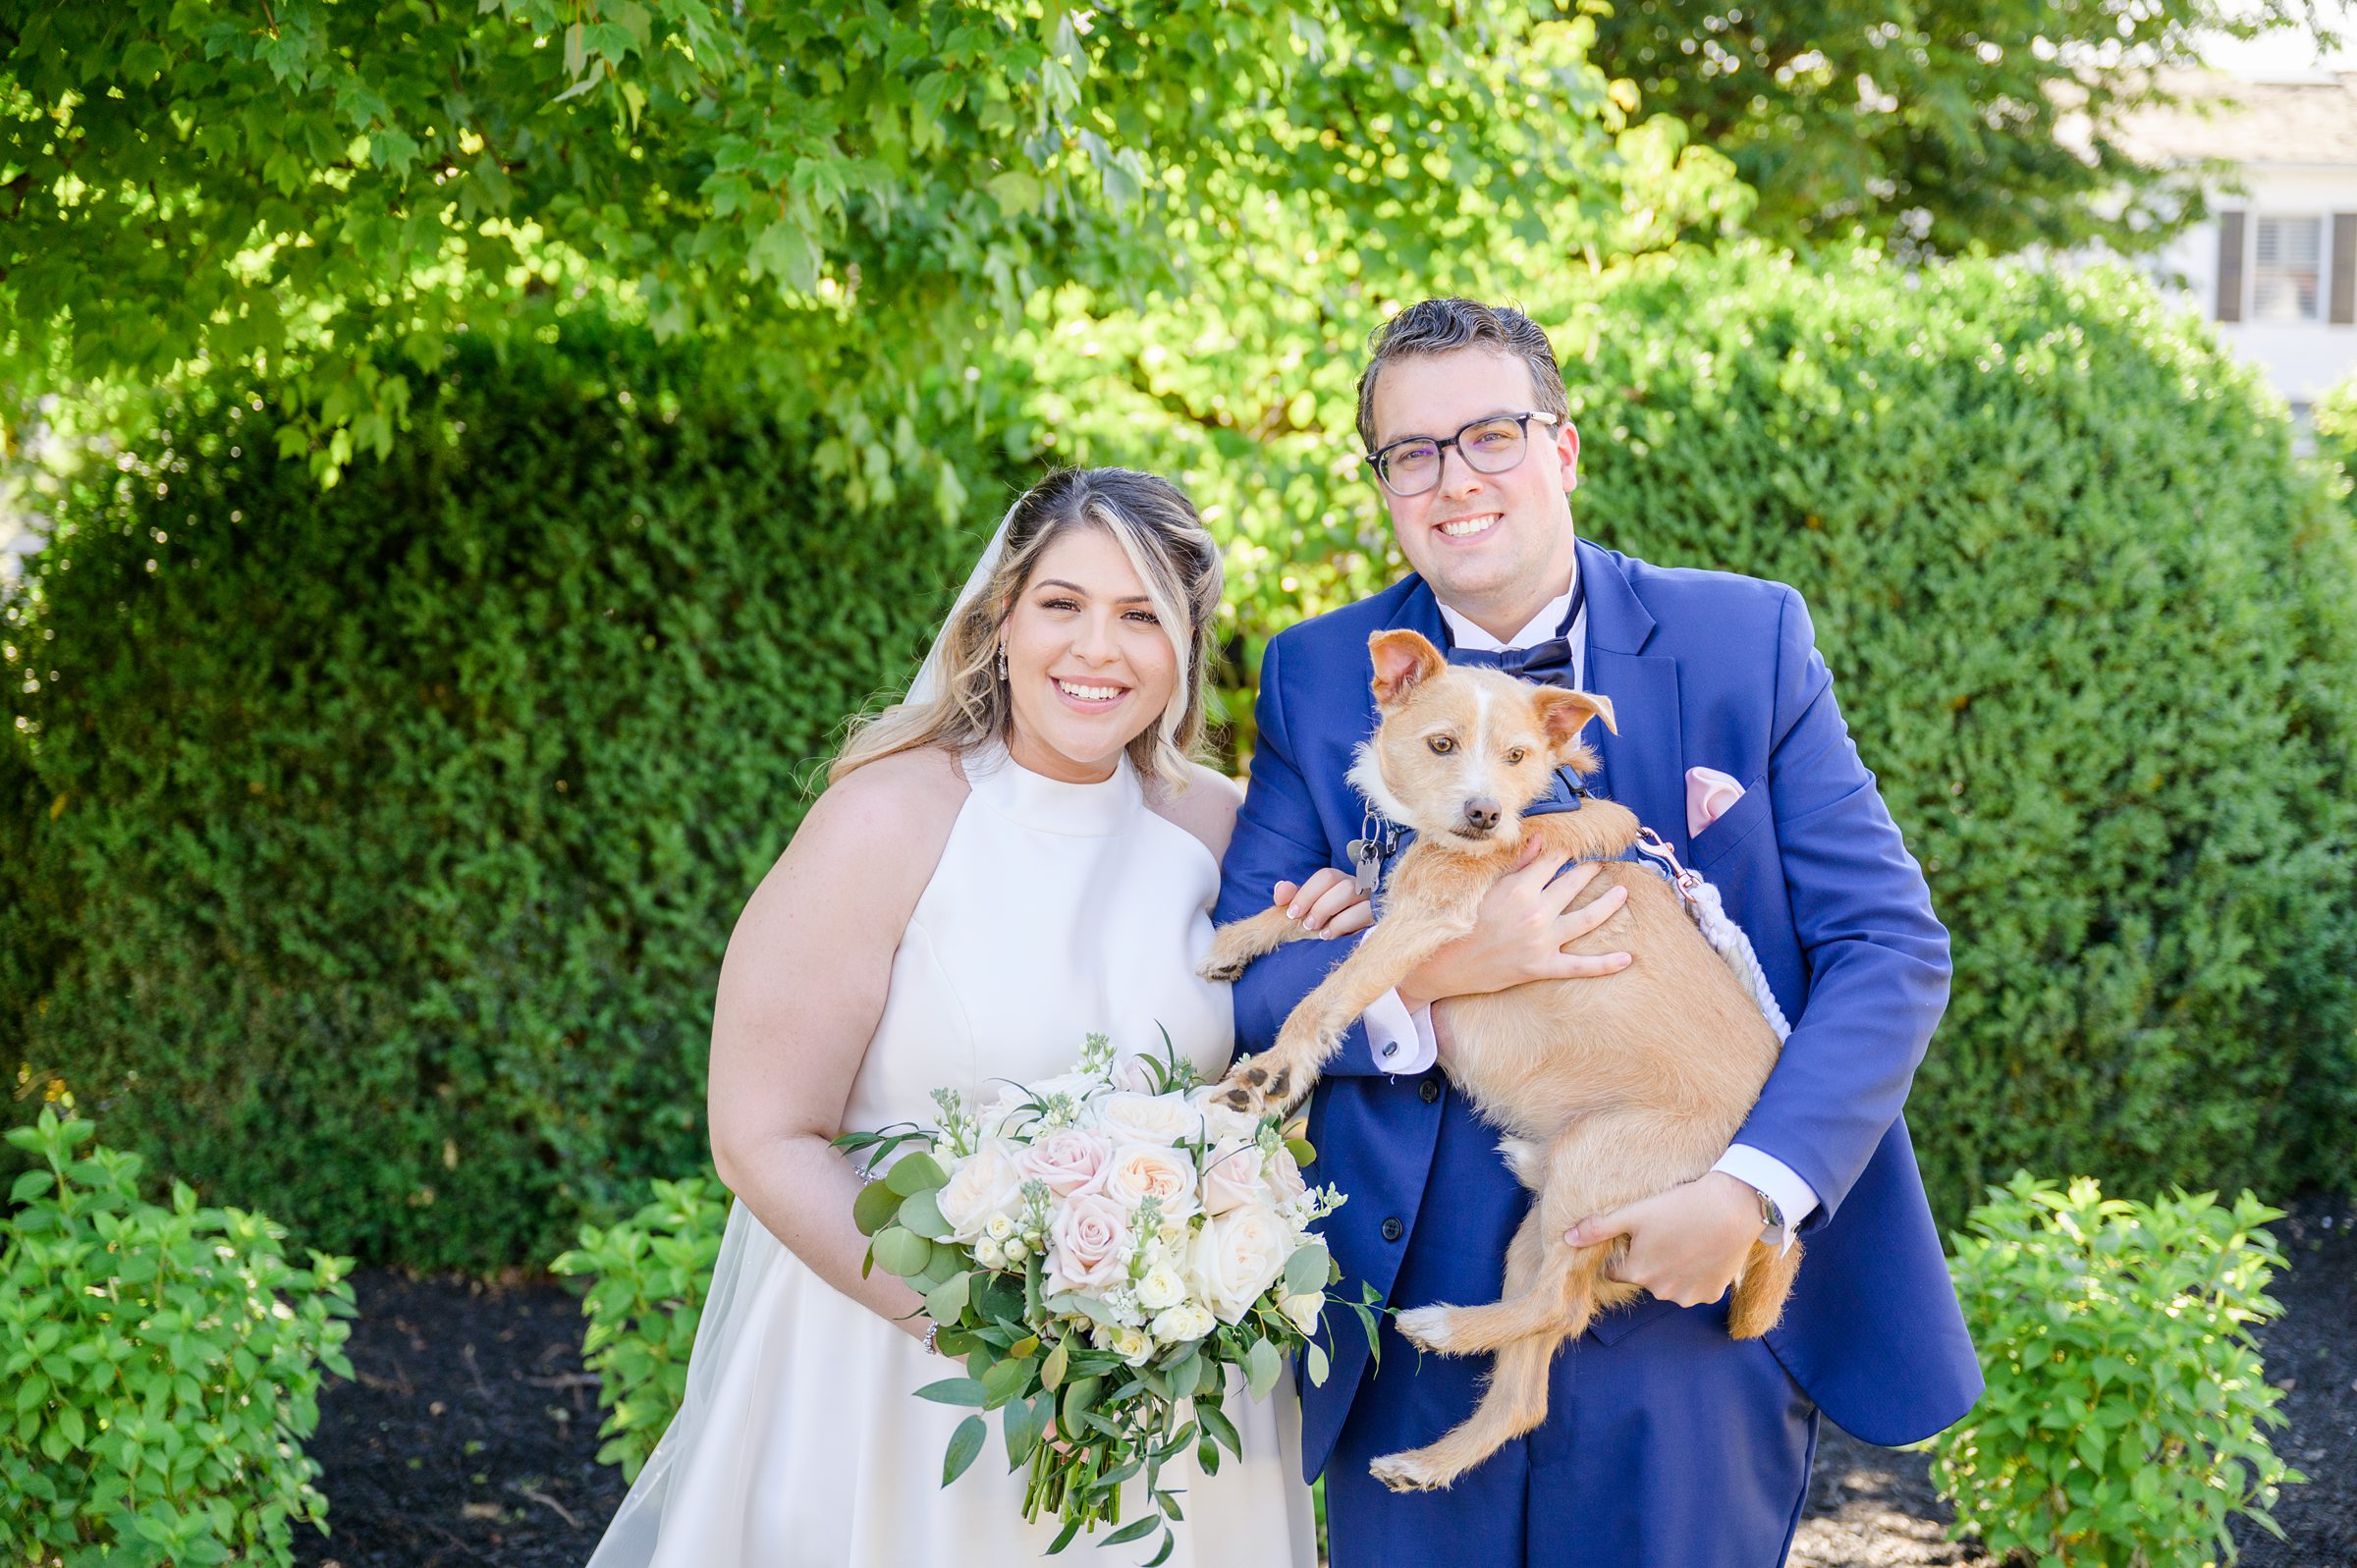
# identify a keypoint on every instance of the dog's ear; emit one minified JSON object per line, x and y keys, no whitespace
{"x":1402,"y":661}
{"x":1567,"y":713}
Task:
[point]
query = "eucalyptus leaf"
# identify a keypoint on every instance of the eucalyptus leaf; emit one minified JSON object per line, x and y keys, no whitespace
{"x":1262,"y":1364}
{"x":1051,"y":1370}
{"x":965,"y":1444}
{"x":874,"y":1208}
{"x":921,"y":1214}
{"x":916,"y":1173}
{"x":946,"y":1302}
{"x":1305,"y":1270}
{"x":902,"y":1252}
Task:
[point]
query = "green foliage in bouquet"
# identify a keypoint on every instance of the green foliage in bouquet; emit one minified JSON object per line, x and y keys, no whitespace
{"x":163,"y":1367}
{"x":373,"y":850}
{"x":649,"y":1275}
{"x":2094,"y":625}
{"x":2123,"y":1425}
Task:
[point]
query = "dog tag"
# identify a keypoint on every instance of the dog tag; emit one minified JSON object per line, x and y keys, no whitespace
{"x":1367,"y":857}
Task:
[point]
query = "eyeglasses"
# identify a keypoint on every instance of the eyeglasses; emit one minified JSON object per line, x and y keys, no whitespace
{"x":1489,"y":446}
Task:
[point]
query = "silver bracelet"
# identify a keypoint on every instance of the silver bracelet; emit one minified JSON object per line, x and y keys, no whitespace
{"x":932,"y":1349}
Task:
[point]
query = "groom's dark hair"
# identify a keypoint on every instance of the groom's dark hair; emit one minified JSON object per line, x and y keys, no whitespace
{"x":1437,"y":326}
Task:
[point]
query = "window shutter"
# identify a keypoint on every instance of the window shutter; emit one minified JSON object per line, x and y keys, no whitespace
{"x":2230,"y":266}
{"x":2344,"y":269}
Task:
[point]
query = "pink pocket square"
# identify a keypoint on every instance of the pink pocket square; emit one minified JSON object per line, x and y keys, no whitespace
{"x":1710,"y":795}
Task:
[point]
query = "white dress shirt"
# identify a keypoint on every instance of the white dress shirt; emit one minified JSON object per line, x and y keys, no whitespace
{"x":1404,"y":1040}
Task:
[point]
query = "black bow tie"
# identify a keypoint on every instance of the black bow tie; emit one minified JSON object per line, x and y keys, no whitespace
{"x":1549,"y":662}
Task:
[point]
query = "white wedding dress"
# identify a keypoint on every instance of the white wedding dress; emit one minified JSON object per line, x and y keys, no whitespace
{"x":1057,"y":910}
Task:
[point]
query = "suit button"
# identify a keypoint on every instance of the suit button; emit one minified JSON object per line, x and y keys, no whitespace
{"x":1429,"y":1090}
{"x":1392,"y":1229}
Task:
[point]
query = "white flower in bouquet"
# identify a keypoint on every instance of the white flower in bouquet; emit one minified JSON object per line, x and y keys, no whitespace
{"x":1303,"y":1309}
{"x":1231,"y":1175}
{"x":1133,"y":1345}
{"x":1221,"y":1122}
{"x":998,"y":1229}
{"x":988,"y":1255}
{"x":986,"y":1185}
{"x":1282,"y":1174}
{"x":1182,"y":1322}
{"x":1157,"y":1119}
{"x":1236,"y":1257}
{"x":1069,"y":1159}
{"x":1090,"y":1244}
{"x":1139,"y":1171}
{"x":1132,"y":1075}
{"x":1163,"y":1286}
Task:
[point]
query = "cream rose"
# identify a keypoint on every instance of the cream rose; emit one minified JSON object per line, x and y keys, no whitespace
{"x":1070,"y":1159}
{"x":1303,"y":1309}
{"x":1163,"y":1286}
{"x":986,"y":1183}
{"x":1138,"y":1171}
{"x":1236,"y":1257}
{"x":1187,"y":1321}
{"x":1132,"y":1075}
{"x":1231,"y":1177}
{"x":1090,"y":1246}
{"x":1222,"y":1121}
{"x":1284,"y":1175}
{"x":1157,"y":1119}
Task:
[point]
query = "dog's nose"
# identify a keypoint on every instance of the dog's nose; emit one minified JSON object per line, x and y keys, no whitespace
{"x":1482,"y":813}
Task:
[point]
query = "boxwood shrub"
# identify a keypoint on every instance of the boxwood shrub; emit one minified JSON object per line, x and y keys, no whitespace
{"x":373,"y":850}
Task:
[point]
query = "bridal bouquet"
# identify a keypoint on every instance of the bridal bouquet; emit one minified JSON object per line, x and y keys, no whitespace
{"x":1100,"y":1248}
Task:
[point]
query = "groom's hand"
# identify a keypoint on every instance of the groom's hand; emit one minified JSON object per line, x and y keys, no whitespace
{"x":1525,"y":922}
{"x":1684,"y":1245}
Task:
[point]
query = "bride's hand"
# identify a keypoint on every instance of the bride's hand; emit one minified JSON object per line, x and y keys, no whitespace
{"x":1329,"y":903}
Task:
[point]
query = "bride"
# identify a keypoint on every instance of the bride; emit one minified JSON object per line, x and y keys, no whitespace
{"x":1016,"y":856}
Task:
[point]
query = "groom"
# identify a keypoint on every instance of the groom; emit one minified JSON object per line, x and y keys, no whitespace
{"x":1667,"y":1442}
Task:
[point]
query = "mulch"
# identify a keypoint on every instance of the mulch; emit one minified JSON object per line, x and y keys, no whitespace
{"x":469,"y":1434}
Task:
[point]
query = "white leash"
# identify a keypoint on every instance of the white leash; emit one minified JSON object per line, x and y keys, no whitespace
{"x":1726,"y":938}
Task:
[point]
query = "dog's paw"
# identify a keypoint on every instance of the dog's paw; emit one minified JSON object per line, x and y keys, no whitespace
{"x":1409,"y":1472}
{"x":1219,"y":967}
{"x":1429,"y":1328}
{"x":1257,"y":1089}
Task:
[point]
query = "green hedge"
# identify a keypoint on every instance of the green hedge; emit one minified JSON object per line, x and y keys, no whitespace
{"x":2091,"y":623}
{"x":373,"y":852}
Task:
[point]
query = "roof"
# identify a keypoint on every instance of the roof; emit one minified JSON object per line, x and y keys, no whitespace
{"x":2308,"y":120}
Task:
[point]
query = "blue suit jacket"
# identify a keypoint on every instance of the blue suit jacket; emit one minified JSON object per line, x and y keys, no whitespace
{"x":1704,"y":669}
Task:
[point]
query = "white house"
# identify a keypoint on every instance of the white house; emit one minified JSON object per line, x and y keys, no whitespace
{"x":2275,"y":264}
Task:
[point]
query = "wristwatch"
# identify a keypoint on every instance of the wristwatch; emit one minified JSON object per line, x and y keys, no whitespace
{"x":1772,"y":1217}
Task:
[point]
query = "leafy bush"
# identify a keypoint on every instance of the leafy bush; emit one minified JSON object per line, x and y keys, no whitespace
{"x":2336,"y":419}
{"x":2122,"y":1426}
{"x":649,"y":1274}
{"x":164,"y":1366}
{"x":2092,"y":623}
{"x":380,"y":844}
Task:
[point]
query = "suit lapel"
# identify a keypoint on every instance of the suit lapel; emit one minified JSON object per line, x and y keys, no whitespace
{"x":1642,"y":764}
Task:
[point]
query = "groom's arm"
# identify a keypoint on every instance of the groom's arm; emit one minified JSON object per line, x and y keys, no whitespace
{"x":1281,"y":838}
{"x":1878,"y":959}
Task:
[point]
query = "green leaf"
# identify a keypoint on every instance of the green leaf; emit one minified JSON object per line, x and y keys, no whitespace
{"x":1136,"y":1530}
{"x":1305,"y":1270}
{"x":1051,"y":1370}
{"x":921,"y":1214}
{"x":1214,"y":1422}
{"x":955,"y":1392}
{"x":874,"y":1208}
{"x":1262,"y":1364}
{"x":901,"y":1253}
{"x":1302,"y":1151}
{"x":916,"y":1173}
{"x":965,"y":1444}
{"x":946,"y":1302}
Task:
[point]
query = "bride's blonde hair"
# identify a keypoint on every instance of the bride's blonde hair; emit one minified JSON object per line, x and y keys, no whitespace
{"x":1173,"y":556}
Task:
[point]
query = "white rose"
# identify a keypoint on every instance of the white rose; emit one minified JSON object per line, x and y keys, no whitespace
{"x":1090,"y":1251}
{"x":1222,"y":1121}
{"x":1163,"y":1286}
{"x":1180,"y":1324}
{"x":987,"y":1253}
{"x":1132,"y":1345}
{"x":1303,"y":1309}
{"x":1231,"y":1177}
{"x":1130,"y":1075}
{"x":999,"y":1228}
{"x":1236,"y":1257}
{"x":1068,"y":1159}
{"x":1284,"y":1175}
{"x":1157,"y":1119}
{"x":1139,"y":1171}
{"x":984,"y":1185}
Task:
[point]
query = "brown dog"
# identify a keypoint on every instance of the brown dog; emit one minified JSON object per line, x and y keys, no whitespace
{"x":1608,"y":1088}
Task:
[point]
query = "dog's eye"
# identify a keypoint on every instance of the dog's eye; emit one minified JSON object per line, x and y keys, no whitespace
{"x":1516,"y":756}
{"x":1442,"y":744}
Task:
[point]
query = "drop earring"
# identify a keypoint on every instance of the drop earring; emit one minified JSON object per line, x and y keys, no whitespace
{"x":1002,"y":661}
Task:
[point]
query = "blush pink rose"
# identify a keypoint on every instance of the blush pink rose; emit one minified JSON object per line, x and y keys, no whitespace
{"x":1231,"y":1175}
{"x":1139,"y":1171}
{"x":1089,"y":1245}
{"x":1070,"y":1159}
